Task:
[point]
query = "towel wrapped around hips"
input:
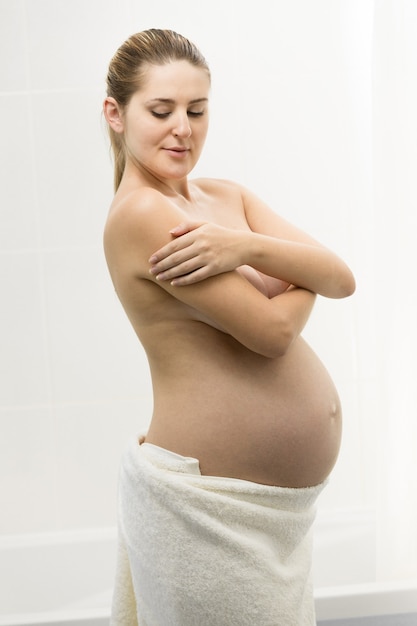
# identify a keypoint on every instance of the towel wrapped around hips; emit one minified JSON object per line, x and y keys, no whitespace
{"x":209,"y":551}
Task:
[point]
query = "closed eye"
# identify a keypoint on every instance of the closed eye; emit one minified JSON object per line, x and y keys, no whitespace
{"x":162,"y":116}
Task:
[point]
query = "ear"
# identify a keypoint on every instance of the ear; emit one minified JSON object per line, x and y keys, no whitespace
{"x":113,"y":114}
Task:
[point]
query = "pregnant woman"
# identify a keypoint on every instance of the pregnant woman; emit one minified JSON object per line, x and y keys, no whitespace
{"x":217,"y":498}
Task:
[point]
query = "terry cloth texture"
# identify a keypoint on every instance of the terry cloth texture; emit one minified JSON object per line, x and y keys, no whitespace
{"x":209,"y":551}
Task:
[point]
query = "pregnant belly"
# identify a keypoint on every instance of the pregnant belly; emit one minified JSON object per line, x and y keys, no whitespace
{"x":276,"y":422}
{"x":287,"y":430}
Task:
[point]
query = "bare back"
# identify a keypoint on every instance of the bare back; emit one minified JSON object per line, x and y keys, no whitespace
{"x":244,"y":415}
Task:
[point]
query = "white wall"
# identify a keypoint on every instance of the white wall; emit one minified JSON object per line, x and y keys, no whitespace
{"x":291,"y":110}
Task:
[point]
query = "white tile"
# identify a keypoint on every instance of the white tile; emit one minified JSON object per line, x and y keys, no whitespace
{"x":71,"y":43}
{"x":89,"y":443}
{"x":13,"y":46}
{"x":18,"y":204}
{"x":94,"y":353}
{"x":329,"y":332}
{"x":73,"y":168}
{"x":23,"y":365}
{"x":26,"y":472}
{"x":189,"y":20}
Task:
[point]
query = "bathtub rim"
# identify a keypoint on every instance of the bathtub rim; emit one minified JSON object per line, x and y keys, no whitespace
{"x":366,"y":599}
{"x":58,"y":618}
{"x":363,"y":600}
{"x":340,"y":601}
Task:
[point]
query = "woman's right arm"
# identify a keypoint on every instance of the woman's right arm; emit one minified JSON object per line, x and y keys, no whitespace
{"x":227,"y":301}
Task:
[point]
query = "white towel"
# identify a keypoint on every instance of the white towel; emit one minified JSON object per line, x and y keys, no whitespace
{"x":209,"y":551}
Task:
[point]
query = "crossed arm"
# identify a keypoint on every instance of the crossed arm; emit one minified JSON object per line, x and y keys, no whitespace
{"x":197,"y":267}
{"x":200,"y":250}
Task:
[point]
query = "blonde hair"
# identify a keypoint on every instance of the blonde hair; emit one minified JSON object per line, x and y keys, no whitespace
{"x":127,"y":69}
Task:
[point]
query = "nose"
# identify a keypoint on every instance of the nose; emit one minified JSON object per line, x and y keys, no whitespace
{"x":181,"y":126}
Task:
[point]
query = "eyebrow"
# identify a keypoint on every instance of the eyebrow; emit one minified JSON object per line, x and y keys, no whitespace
{"x":171,"y":101}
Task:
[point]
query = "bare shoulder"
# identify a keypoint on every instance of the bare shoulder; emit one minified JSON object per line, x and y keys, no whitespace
{"x":140,"y":212}
{"x":131,"y":207}
{"x":137,"y":225}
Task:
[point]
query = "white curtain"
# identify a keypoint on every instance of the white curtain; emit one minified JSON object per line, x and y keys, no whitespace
{"x":395,"y":214}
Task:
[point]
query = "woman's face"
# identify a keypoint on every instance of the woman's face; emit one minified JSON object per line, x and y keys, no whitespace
{"x":165,"y":123}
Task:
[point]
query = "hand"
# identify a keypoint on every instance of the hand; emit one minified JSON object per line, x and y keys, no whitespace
{"x":199,"y":250}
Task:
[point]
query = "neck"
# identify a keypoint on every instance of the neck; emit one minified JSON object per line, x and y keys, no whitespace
{"x":135,"y":174}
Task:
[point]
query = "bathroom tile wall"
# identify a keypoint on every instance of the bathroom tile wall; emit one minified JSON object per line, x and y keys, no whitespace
{"x":74,"y":382}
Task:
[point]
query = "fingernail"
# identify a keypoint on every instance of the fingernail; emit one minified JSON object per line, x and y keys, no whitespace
{"x":153,"y":259}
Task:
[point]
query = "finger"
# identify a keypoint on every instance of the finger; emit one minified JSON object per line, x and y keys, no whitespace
{"x":193,"y":277}
{"x":176,"y":260}
{"x":177,"y":270}
{"x":185,"y":227}
{"x":171,"y":248}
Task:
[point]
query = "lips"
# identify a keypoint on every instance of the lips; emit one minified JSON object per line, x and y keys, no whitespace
{"x":177,"y":152}
{"x":177,"y":149}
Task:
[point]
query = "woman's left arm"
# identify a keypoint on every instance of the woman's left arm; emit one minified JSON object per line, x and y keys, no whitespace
{"x":300,"y":259}
{"x":271,"y":246}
